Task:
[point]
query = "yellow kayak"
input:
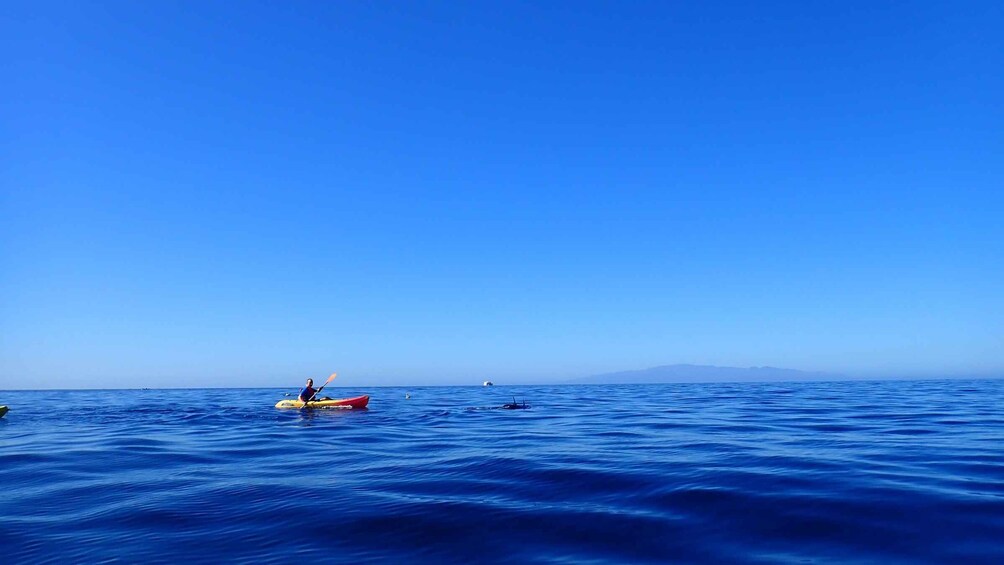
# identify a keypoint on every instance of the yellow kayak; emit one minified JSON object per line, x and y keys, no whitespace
{"x":357,"y":402}
{"x":3,"y":411}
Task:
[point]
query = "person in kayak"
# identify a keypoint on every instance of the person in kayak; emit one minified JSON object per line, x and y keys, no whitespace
{"x":307,"y":392}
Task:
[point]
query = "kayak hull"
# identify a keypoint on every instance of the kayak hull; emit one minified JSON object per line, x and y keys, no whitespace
{"x":3,"y":411}
{"x":343,"y":403}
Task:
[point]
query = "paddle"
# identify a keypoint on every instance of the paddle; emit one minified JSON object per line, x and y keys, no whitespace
{"x":331,"y":378}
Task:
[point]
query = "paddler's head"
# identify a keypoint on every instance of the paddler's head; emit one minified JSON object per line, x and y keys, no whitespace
{"x":310,"y":382}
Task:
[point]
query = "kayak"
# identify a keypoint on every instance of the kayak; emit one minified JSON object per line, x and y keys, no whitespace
{"x":3,"y":411}
{"x":357,"y":402}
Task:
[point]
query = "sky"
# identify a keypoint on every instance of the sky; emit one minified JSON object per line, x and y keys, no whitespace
{"x":250,"y":193}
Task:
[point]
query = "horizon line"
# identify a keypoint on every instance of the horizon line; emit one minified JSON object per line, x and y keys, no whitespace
{"x":563,"y":383}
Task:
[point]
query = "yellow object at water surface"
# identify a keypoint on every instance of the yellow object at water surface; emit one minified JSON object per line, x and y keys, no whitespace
{"x":357,"y":402}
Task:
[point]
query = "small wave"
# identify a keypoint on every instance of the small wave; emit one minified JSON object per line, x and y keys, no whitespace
{"x":815,"y":472}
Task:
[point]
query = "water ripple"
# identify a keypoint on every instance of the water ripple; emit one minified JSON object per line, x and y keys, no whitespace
{"x":909,"y":472}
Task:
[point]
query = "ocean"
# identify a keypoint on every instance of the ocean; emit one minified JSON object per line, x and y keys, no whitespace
{"x":835,"y":472}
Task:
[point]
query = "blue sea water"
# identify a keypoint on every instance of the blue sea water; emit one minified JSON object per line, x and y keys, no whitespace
{"x":842,"y":472}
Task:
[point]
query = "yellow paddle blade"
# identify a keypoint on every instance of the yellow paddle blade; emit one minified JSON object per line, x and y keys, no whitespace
{"x":331,"y":378}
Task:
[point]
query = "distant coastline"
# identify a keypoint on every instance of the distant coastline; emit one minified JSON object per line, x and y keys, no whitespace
{"x":663,"y":374}
{"x":685,"y":373}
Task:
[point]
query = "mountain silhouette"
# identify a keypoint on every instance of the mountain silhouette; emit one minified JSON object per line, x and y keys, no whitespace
{"x":704,"y":374}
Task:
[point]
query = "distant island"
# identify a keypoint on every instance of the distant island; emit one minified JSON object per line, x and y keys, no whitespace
{"x":706,"y":374}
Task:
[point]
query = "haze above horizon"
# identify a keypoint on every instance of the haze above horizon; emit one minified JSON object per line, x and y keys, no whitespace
{"x":198,"y":194}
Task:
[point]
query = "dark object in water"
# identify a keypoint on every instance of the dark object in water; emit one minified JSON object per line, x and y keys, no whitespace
{"x":515,"y":406}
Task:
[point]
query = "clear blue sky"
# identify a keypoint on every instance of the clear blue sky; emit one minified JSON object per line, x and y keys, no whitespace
{"x":245,"y":194}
